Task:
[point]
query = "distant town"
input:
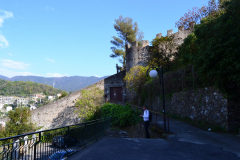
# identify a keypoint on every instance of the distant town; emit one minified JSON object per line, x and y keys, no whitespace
{"x":33,"y":101}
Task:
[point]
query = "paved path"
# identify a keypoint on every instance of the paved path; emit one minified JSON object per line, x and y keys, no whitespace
{"x":188,"y":133}
{"x":187,"y":143}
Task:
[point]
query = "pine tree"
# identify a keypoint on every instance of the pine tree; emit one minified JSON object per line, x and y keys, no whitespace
{"x":127,"y":32}
{"x":19,"y":122}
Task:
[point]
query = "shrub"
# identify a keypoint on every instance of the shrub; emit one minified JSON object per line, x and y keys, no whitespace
{"x":121,"y":115}
{"x":89,"y":104}
{"x":136,"y":77}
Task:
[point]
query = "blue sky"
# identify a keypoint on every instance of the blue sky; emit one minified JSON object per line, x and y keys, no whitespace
{"x":53,"y":38}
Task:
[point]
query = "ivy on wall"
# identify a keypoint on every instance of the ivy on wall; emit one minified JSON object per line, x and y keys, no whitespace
{"x":136,"y":77}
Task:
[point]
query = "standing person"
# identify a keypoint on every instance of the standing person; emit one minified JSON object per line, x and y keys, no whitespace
{"x":146,"y":121}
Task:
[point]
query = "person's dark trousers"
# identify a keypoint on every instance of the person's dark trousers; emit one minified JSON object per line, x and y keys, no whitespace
{"x":146,"y":125}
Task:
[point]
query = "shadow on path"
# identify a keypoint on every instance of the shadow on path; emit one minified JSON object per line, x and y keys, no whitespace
{"x":186,"y":142}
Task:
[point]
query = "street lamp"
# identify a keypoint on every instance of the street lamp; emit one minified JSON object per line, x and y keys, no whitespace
{"x":154,"y":72}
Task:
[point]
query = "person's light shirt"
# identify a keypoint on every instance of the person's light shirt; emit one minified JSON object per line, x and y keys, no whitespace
{"x":146,"y":115}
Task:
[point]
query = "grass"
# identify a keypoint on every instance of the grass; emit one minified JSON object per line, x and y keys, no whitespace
{"x":114,"y":129}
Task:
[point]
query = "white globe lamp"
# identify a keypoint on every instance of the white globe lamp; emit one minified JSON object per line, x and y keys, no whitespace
{"x":153,"y":73}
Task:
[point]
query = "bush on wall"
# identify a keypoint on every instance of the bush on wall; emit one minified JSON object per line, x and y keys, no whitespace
{"x":88,"y":105}
{"x":136,"y":77}
{"x":162,"y":51}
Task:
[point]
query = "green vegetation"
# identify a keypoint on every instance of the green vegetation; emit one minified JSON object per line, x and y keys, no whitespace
{"x":196,"y":14}
{"x":187,"y":51}
{"x":213,"y":50}
{"x":63,"y":94}
{"x":136,"y":77}
{"x":162,"y":51}
{"x":208,"y":57}
{"x":20,"y":88}
{"x":89,"y":104}
{"x":128,"y":32}
{"x":121,"y":115}
{"x":220,"y":58}
{"x":19,"y":123}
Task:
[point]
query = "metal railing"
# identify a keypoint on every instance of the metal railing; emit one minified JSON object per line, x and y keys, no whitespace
{"x":153,"y":112}
{"x":44,"y":144}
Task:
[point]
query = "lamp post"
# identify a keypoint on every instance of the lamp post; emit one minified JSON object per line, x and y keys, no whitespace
{"x":154,"y":72}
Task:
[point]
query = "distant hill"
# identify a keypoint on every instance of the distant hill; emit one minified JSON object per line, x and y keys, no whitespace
{"x":72,"y":83}
{"x":20,"y":88}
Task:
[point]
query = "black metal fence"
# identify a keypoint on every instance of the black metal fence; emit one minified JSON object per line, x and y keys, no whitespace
{"x":53,"y":143}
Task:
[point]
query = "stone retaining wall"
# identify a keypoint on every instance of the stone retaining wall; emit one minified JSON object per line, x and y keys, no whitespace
{"x":60,"y":112}
{"x":234,"y":116}
{"x":204,"y":104}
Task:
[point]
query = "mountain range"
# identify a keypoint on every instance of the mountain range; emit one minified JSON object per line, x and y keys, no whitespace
{"x":72,"y":83}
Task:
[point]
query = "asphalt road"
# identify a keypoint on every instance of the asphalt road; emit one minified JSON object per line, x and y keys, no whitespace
{"x":186,"y":143}
{"x":110,"y":148}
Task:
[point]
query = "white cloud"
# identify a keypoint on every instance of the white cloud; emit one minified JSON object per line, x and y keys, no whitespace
{"x":10,"y":54}
{"x":50,"y":8}
{"x":56,"y":75}
{"x":9,"y":73}
{"x":7,"y":63}
{"x":97,"y":76}
{"x":3,"y":41}
{"x":50,"y":60}
{"x":5,"y":15}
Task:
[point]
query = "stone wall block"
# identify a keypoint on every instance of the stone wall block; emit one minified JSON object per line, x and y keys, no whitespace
{"x":196,"y":107}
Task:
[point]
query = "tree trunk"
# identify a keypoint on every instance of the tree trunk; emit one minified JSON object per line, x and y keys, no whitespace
{"x":124,"y":57}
